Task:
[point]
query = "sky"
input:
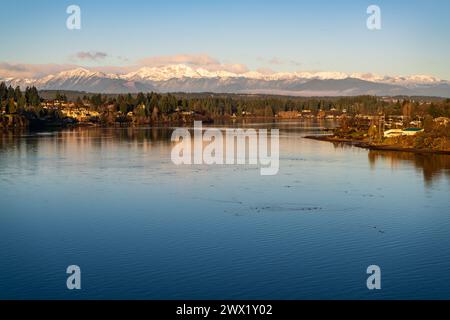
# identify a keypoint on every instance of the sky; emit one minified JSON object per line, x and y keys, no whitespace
{"x":282,"y":36}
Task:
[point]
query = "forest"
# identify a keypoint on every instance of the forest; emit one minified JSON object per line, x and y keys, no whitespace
{"x":153,"y":107}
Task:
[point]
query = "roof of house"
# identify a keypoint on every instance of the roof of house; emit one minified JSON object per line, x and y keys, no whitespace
{"x":413,"y":129}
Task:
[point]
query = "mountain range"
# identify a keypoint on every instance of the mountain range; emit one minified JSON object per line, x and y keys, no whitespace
{"x":186,"y":78}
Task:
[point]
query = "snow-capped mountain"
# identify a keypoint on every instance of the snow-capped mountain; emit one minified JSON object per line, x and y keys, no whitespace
{"x":180,"y":71}
{"x":175,"y":72}
{"x":81,"y":79}
{"x":186,"y":78}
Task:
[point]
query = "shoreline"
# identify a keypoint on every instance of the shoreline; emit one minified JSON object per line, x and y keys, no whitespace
{"x":36,"y":124}
{"x":366,"y":145}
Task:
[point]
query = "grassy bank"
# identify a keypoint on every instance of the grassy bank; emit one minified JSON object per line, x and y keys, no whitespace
{"x":434,"y":139}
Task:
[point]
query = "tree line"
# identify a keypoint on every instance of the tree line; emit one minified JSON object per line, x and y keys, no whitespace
{"x":13,"y":100}
{"x":216,"y":105}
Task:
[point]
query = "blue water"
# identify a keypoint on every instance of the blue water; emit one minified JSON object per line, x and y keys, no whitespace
{"x":112,"y":202}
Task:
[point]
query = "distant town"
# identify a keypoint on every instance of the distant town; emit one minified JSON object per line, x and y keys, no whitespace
{"x":396,"y":120}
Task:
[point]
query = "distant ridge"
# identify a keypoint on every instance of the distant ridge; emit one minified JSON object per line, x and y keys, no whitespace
{"x":185,"y":78}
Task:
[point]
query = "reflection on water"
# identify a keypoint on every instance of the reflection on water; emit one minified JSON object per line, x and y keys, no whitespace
{"x":83,"y":140}
{"x":111,"y":201}
{"x":433,"y":166}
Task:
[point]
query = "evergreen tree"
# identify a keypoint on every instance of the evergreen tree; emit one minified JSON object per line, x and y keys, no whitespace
{"x":3,"y":91}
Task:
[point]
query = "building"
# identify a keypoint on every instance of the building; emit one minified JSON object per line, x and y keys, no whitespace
{"x":289,"y":115}
{"x":80,"y":114}
{"x":442,"y":120}
{"x":402,"y":132}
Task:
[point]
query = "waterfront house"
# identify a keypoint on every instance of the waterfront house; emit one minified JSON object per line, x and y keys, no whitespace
{"x":393,"y":133}
{"x":402,"y":132}
{"x":442,"y":121}
{"x":289,"y":114}
{"x":80,"y":114}
{"x":411,"y":131}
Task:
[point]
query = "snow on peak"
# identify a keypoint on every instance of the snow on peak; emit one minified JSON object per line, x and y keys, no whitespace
{"x":402,"y":80}
{"x":79,"y":73}
{"x":168,"y":72}
{"x":184,"y":71}
{"x":176,"y":71}
{"x":420,"y":78}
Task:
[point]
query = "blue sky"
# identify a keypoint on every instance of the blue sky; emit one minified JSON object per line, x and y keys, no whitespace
{"x":321,"y":35}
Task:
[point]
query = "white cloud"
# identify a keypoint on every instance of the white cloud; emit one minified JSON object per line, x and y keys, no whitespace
{"x":12,"y":70}
{"x":280,"y":61}
{"x":200,"y":60}
{"x":195,"y":60}
{"x":91,"y":56}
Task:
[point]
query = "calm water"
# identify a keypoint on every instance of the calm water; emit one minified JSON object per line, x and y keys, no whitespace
{"x":112,"y":202}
